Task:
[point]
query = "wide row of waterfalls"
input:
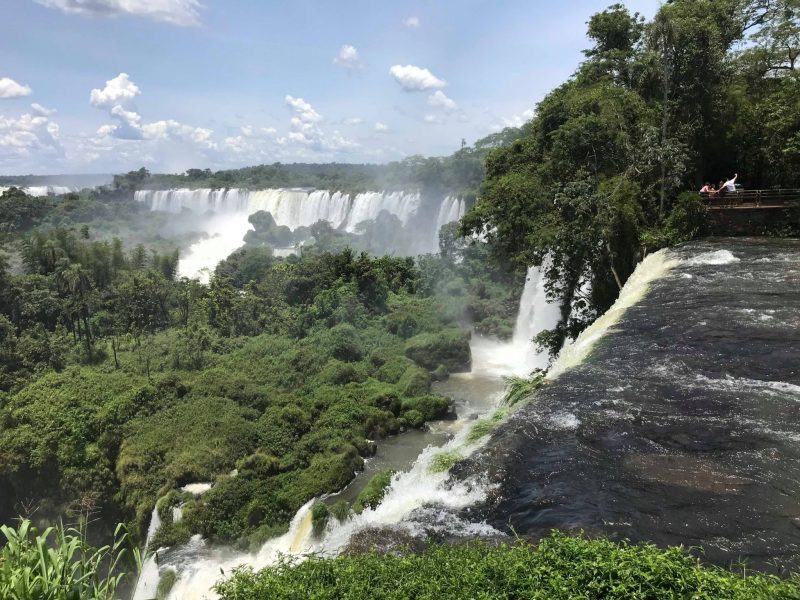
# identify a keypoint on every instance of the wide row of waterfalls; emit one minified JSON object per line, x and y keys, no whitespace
{"x":416,"y":219}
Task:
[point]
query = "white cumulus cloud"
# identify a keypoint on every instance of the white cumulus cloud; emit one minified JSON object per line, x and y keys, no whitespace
{"x":11,"y":89}
{"x":416,"y":79}
{"x":175,"y":12}
{"x":28,"y":135}
{"x":348,"y":58}
{"x":411,"y":22}
{"x":380,"y":127}
{"x":118,"y":95}
{"x":118,"y":91}
{"x":439,"y":100}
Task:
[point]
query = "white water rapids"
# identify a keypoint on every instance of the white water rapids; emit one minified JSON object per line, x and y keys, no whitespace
{"x":293,"y":208}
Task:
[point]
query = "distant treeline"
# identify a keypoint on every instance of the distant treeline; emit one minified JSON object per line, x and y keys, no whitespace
{"x":459,"y":174}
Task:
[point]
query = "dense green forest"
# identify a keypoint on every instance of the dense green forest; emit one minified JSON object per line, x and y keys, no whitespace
{"x":120,"y":383}
{"x":706,"y":89}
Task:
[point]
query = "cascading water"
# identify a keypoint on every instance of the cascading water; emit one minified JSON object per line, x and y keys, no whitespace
{"x":421,"y":499}
{"x":43,"y":190}
{"x":536,"y":314}
{"x":148,"y":579}
{"x":293,"y":208}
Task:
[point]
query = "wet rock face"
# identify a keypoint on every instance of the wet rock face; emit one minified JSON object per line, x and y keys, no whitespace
{"x":682,"y":427}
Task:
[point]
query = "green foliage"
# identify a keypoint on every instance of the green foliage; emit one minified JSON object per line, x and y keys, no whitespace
{"x":557,"y":568}
{"x":444,"y":461}
{"x":165,"y":584}
{"x":340,"y":510}
{"x":483,"y":427}
{"x":657,"y":107}
{"x":283,"y":377}
{"x":319,"y":517}
{"x":58,"y":564}
{"x":522,"y":388}
{"x":373,"y":493}
{"x":169,"y":534}
{"x":449,"y":348}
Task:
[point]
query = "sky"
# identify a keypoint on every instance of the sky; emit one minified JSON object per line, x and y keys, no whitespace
{"x":106,"y":86}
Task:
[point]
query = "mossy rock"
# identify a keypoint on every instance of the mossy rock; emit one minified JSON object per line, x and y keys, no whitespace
{"x":449,"y":348}
{"x":414,"y":382}
{"x":319,"y":517}
{"x":440,"y":373}
{"x":372,"y":495}
{"x":430,"y":407}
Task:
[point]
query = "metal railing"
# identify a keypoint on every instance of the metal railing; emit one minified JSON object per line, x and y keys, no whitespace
{"x":752,"y":199}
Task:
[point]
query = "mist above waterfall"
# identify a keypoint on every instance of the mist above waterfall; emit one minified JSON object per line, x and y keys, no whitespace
{"x":400,"y":223}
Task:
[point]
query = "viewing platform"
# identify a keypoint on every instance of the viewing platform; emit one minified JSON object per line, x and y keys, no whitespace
{"x":753,"y":199}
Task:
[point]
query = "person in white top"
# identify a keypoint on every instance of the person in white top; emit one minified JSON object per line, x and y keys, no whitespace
{"x":730,"y":185}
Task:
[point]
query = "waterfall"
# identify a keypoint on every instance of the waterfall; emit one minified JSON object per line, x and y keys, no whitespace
{"x":148,"y":579}
{"x":43,"y":190}
{"x":536,"y":314}
{"x":292,"y":208}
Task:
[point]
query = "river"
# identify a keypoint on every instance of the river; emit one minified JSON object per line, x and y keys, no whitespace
{"x":679,"y":423}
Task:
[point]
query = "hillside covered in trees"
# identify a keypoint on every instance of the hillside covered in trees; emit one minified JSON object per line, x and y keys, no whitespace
{"x":706,"y":89}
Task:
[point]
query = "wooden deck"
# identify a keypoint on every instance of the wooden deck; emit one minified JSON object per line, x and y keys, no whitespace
{"x":753,"y":200}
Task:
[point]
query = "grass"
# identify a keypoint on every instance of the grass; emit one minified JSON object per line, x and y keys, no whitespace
{"x":483,"y":427}
{"x":522,"y":388}
{"x":444,"y":460}
{"x":558,"y":568}
{"x":58,"y":564}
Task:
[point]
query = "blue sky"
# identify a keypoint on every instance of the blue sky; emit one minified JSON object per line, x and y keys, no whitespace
{"x":97,"y":86}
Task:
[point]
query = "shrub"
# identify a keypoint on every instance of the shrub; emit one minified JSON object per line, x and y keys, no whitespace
{"x":337,"y":372}
{"x":165,"y":584}
{"x":414,"y":382}
{"x":444,"y":461}
{"x":340,"y":510}
{"x":170,"y":534}
{"x":393,"y":369}
{"x":449,"y":348}
{"x":557,"y":568}
{"x":258,"y":465}
{"x":373,"y":493}
{"x":319,"y":517}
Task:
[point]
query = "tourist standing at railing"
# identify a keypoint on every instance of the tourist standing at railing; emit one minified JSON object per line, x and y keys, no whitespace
{"x":729,"y":186}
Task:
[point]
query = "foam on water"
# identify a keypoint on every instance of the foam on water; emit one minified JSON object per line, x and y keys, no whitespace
{"x":717,"y":257}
